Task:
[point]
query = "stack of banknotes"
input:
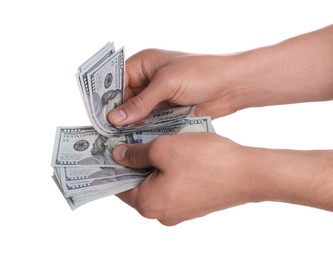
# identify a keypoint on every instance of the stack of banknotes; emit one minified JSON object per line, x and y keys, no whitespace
{"x":82,"y":155}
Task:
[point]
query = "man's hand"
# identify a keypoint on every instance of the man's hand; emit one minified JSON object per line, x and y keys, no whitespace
{"x":196,"y":173}
{"x":293,"y":71}
{"x":199,"y":173}
{"x":157,"y":78}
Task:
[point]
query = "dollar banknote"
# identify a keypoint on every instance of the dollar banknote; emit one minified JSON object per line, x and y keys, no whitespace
{"x":83,"y":164}
{"x":101,"y":81}
{"x":82,"y":77}
{"x":81,"y":146}
{"x":74,"y":180}
{"x":76,"y":201}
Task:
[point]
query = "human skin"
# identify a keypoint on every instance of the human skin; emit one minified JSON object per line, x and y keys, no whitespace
{"x":199,"y":173}
{"x":293,"y":71}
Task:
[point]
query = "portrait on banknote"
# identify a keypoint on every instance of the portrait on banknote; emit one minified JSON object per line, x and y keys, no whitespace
{"x":110,"y":100}
{"x":101,"y":152}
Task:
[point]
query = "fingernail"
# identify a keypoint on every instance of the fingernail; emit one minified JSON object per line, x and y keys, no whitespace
{"x":117,"y":115}
{"x":119,"y":152}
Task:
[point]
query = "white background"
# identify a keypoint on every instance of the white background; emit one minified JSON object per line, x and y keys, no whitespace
{"x":43,"y":43}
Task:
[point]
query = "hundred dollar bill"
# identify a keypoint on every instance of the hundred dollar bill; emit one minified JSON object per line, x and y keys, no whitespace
{"x":84,"y":146}
{"x":76,"y":179}
{"x":82,"y":78}
{"x":93,"y":194}
{"x":76,"y":201}
{"x":102,"y":86}
{"x":95,"y":185}
{"x":106,"y":86}
{"x":69,"y":174}
{"x":112,"y":191}
{"x":161,"y":118}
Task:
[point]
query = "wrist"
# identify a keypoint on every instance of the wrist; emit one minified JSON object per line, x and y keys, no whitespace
{"x":296,"y":70}
{"x":298,"y":177}
{"x":253,"y":79}
{"x":243,"y":80}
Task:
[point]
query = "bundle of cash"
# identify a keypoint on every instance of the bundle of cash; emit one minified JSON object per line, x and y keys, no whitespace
{"x":84,"y":169}
{"x":83,"y":165}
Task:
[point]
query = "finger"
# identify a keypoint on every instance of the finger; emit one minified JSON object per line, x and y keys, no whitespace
{"x":138,"y":107}
{"x":143,"y":69}
{"x":129,"y":196}
{"x":133,"y":155}
{"x":145,"y":198}
{"x":142,"y":66}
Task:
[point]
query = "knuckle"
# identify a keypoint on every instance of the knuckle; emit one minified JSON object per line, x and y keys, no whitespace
{"x":136,"y":103}
{"x":133,"y":155}
{"x":167,"y":77}
{"x":144,"y":54}
{"x":163,"y":75}
{"x":147,"y":51}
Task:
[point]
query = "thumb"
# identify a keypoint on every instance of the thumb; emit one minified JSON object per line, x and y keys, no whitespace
{"x":137,"y":107}
{"x":132,"y":155}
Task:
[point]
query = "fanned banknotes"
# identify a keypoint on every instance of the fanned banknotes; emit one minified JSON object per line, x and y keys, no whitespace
{"x":84,"y":169}
{"x":101,"y":80}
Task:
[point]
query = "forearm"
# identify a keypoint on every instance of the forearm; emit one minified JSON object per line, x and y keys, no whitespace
{"x":296,"y":70}
{"x":299,"y":177}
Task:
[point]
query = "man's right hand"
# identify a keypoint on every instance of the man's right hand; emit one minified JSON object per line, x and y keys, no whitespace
{"x":157,"y":78}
